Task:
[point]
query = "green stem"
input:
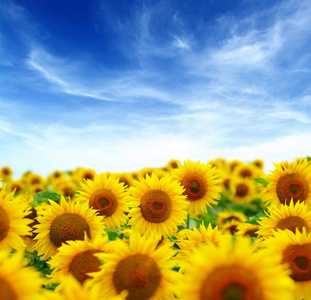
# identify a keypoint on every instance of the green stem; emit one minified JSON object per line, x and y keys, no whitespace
{"x":188,"y":221}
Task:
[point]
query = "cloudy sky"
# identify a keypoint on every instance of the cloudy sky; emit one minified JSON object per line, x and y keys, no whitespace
{"x":120,"y":85}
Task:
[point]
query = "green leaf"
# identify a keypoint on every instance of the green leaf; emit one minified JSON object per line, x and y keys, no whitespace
{"x":112,"y":235}
{"x":45,"y":196}
{"x":261,"y":181}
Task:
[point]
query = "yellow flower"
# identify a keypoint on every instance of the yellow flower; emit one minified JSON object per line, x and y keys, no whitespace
{"x":247,"y":230}
{"x":289,"y":181}
{"x":67,"y":221}
{"x":201,"y":183}
{"x":243,"y":190}
{"x":290,"y":217}
{"x":18,"y":282}
{"x":107,"y":196}
{"x":13,"y":224}
{"x":234,"y":270}
{"x":77,"y":258}
{"x":247,"y":171}
{"x":295,"y":249}
{"x":227,"y":216}
{"x":157,"y":206}
{"x":6,"y":173}
{"x":140,"y":268}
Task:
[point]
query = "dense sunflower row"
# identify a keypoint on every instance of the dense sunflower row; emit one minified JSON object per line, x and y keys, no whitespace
{"x":219,"y":230}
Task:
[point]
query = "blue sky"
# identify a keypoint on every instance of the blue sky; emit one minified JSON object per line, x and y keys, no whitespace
{"x":120,"y":85}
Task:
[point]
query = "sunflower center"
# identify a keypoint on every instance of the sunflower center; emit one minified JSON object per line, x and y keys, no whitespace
{"x":231,"y":283}
{"x":251,"y":233}
{"x":241,"y":190}
{"x":139,"y":274}
{"x":299,"y":258}
{"x":84,"y":263}
{"x":6,"y":292}
{"x":5,"y":172}
{"x":292,"y":186}
{"x":245,"y":173}
{"x":68,"y":227}
{"x":156,"y":206}
{"x":195,"y":187}
{"x":292,"y":223}
{"x":105,"y":202}
{"x":4,"y":224}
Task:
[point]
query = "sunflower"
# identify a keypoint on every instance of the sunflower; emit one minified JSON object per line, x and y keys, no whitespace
{"x":6,"y":173}
{"x":231,"y":227}
{"x":67,"y":221}
{"x":290,"y":217}
{"x":248,"y":230}
{"x":17,"y":186}
{"x":295,"y":249}
{"x":66,"y":188}
{"x":247,"y":171}
{"x":201,"y":183}
{"x":77,"y":258}
{"x":157,"y":206}
{"x":259,"y":163}
{"x":18,"y":282}
{"x":140,"y":268}
{"x":235,"y":271}
{"x":13,"y":224}
{"x":227,"y":216}
{"x":35,"y":179}
{"x":243,"y":190}
{"x":289,"y":181}
{"x":195,"y":239}
{"x":107,"y":196}
{"x":124,"y":178}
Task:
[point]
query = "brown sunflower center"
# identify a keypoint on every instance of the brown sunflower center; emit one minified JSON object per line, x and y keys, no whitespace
{"x":105,"y":201}
{"x":231,"y":283}
{"x":299,"y":258}
{"x":292,"y":186}
{"x":251,"y":233}
{"x":139,"y":274}
{"x":68,"y":227}
{"x":195,"y":186}
{"x":88,"y":176}
{"x":6,"y":291}
{"x":5,"y":171}
{"x":156,"y":206}
{"x":83,"y":263}
{"x":292,"y":223}
{"x":4,"y":224}
{"x":245,"y":173}
{"x":241,"y":190}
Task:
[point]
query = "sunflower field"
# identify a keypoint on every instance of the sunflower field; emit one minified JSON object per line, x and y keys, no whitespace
{"x":220,"y":230}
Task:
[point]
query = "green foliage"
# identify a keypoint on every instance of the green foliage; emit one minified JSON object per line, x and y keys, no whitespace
{"x":42,"y":197}
{"x":261,"y":181}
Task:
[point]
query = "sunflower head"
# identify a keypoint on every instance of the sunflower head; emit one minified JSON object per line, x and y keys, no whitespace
{"x":289,"y":181}
{"x":107,"y":195}
{"x":201,"y":184}
{"x":157,"y":205}
{"x":234,"y":271}
{"x":13,"y":224}
{"x":64,"y":222}
{"x":77,"y":258}
{"x":140,"y":268}
{"x":6,"y":173}
{"x":295,"y":251}
{"x":291,"y":217}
